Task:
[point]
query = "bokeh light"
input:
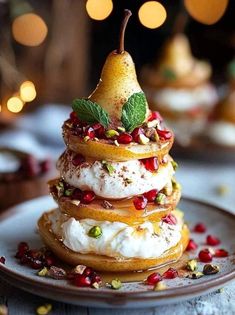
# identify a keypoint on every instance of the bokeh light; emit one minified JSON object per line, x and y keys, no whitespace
{"x":206,"y":12}
{"x":152,"y":14}
{"x":15,"y":104}
{"x":29,"y":29}
{"x":99,"y":9}
{"x":27,"y":91}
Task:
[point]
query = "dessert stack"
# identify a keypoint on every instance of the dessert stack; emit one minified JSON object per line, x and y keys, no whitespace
{"x":116,"y":194}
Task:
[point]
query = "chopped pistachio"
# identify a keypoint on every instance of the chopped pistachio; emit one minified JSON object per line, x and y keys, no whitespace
{"x":79,"y":269}
{"x":76,"y":202}
{"x":60,"y":188}
{"x":210,"y":269}
{"x":106,"y":204}
{"x":155,"y":136}
{"x":167,"y":190}
{"x":160,"y":198}
{"x":160,"y":286}
{"x":122,"y":129}
{"x":174,"y":165}
{"x":108,"y":167}
{"x":68,"y":192}
{"x":153,"y":123}
{"x":95,"y":285}
{"x":191,"y":265}
{"x":143,"y":139}
{"x":175,"y":184}
{"x":116,"y":143}
{"x":43,"y":272}
{"x":116,"y":284}
{"x":111,"y":133}
{"x":195,"y":275}
{"x":44,"y":309}
{"x":95,"y":232}
{"x":221,"y":290}
{"x":222,"y":190}
{"x":86,"y":138}
{"x":96,"y":139}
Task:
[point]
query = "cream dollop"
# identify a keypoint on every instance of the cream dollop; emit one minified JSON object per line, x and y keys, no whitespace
{"x":118,"y":239}
{"x":222,"y":132}
{"x":128,"y":178}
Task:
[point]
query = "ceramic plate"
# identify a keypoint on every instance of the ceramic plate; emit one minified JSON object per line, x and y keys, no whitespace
{"x":19,"y":224}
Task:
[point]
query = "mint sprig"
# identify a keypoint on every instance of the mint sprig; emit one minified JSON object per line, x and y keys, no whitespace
{"x":90,"y":112}
{"x":134,"y":111}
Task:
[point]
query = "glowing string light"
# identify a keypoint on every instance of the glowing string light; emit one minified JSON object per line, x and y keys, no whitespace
{"x":152,"y":14}
{"x":27,"y":91}
{"x":99,"y":9}
{"x":15,"y":104}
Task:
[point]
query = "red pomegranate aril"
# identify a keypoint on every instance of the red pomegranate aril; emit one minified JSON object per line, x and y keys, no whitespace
{"x":45,"y":166}
{"x":164,"y":134}
{"x":205,"y":256}
{"x":170,"y":219}
{"x":136,"y":133}
{"x":191,"y":245}
{"x":2,"y":260}
{"x":87,"y":197}
{"x":90,"y":132}
{"x":81,"y":281}
{"x":25,"y":259}
{"x":151,"y":164}
{"x":78,"y":159}
{"x":96,"y":279}
{"x":154,"y":278}
{"x":49,"y":261}
{"x":212,"y":240}
{"x":36,"y":264}
{"x":99,"y":130}
{"x":77,"y":194}
{"x":34,"y":254}
{"x":220,"y":253}
{"x":140,"y":202}
{"x":151,"y":195}
{"x":88,"y":271}
{"x":171,"y":273}
{"x":154,"y":116}
{"x":200,"y":228}
{"x":23,"y":247}
{"x":30,"y":166}
{"x":124,"y":138}
{"x":74,"y":117}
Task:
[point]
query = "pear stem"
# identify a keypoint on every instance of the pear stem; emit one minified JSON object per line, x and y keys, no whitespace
{"x":127,"y":15}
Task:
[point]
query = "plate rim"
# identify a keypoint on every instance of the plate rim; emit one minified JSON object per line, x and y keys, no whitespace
{"x":192,"y":289}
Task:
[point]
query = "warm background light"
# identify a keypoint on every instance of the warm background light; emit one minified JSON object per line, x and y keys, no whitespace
{"x":206,"y":11}
{"x":27,"y":91}
{"x":29,"y":29}
{"x":15,"y":104}
{"x":99,"y":9}
{"x":152,"y":14}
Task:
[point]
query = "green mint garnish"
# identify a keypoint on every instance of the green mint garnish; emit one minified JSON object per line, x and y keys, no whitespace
{"x":90,"y":112}
{"x":169,"y":74}
{"x":134,"y":111}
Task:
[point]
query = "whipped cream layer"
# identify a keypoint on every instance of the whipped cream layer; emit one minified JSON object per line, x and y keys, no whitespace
{"x":128,"y":178}
{"x":118,"y":239}
{"x":185,"y":99}
{"x":222,"y":132}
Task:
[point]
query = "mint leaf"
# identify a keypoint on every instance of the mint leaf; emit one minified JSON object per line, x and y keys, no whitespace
{"x":134,"y":111}
{"x":90,"y":112}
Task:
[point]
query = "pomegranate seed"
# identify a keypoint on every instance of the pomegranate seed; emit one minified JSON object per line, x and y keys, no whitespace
{"x":30,"y":166}
{"x":200,"y":228}
{"x":88,"y":271}
{"x":171,"y":273}
{"x":164,"y":134}
{"x":220,"y":253}
{"x":22,"y":249}
{"x":24,"y":259}
{"x":74,"y":117}
{"x":151,"y":164}
{"x":49,"y":261}
{"x":33,"y":253}
{"x":151,"y":195}
{"x":78,"y":159}
{"x":90,"y":132}
{"x":36,"y":264}
{"x":81,"y":281}
{"x":2,"y":260}
{"x":124,"y":138}
{"x":170,"y":219}
{"x":191,"y":245}
{"x":154,"y":278}
{"x":45,"y":166}
{"x":77,"y":194}
{"x":99,"y":130}
{"x":155,"y":115}
{"x":136,"y":133}
{"x":205,"y":256}
{"x":87,"y":196}
{"x":140,"y":202}
{"x":212,"y":240}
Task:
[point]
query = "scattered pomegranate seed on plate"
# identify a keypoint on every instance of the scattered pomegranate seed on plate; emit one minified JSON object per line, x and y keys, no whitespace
{"x":205,"y":256}
{"x":212,"y":240}
{"x":221,"y":253}
{"x":192,"y":245}
{"x":199,"y":228}
{"x":171,"y":273}
{"x":81,"y":280}
{"x":2,"y":260}
{"x":154,"y":278}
